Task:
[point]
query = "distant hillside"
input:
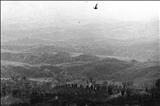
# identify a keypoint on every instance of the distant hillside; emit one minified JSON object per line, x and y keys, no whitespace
{"x":9,"y":70}
{"x":85,"y":57}
{"x":132,"y":39}
{"x":106,"y":69}
{"x":28,"y":42}
{"x":140,"y":73}
{"x":101,"y":69}
{"x":134,"y":49}
{"x":45,"y":58}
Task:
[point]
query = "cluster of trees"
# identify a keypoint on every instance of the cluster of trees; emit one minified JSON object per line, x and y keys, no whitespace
{"x":69,"y":94}
{"x":147,"y":97}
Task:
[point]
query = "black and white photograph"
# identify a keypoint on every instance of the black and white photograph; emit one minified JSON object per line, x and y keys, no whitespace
{"x":80,"y":53}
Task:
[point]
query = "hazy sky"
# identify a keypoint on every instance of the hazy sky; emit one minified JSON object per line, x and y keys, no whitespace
{"x":43,"y":10}
{"x":71,"y":12}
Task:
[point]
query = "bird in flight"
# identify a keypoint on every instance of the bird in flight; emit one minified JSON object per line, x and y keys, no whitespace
{"x":96,"y":6}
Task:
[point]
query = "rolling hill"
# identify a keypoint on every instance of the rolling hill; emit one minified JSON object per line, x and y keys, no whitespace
{"x":105,"y":69}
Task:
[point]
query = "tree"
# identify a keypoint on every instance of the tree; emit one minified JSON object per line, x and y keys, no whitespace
{"x":157,"y":84}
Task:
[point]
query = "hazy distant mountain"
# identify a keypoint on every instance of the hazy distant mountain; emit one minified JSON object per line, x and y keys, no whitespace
{"x":8,"y":70}
{"x":85,"y":57}
{"x":141,"y":50}
{"x":45,"y":58}
{"x":132,"y":39}
{"x":27,"y":42}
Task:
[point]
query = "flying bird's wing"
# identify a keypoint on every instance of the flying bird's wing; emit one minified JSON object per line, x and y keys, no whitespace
{"x":96,"y":6}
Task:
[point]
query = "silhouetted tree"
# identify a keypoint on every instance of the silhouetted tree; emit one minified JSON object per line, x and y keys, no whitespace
{"x":157,"y":84}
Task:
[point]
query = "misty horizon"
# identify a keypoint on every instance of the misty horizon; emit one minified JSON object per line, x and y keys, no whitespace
{"x":53,"y":19}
